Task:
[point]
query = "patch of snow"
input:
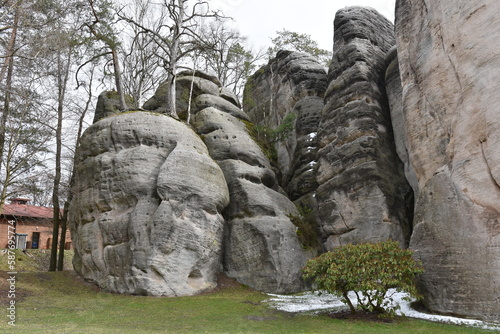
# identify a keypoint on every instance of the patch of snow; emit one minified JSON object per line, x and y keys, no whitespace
{"x":315,"y":302}
{"x":306,"y":302}
{"x":312,"y":135}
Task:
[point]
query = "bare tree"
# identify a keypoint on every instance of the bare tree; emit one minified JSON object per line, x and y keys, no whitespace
{"x":229,"y":59}
{"x":8,"y":68}
{"x":175,"y":33}
{"x":27,"y":139}
{"x":64,"y":219}
{"x":142,"y":73}
{"x":63,"y":70}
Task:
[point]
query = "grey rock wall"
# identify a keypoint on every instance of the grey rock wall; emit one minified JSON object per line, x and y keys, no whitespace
{"x":362,"y":195}
{"x":292,"y":83}
{"x":146,"y":214}
{"x":448,"y":59}
{"x":155,"y":212}
{"x":261,"y":247}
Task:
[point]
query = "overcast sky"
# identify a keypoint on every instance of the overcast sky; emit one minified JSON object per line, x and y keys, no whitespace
{"x":260,"y":19}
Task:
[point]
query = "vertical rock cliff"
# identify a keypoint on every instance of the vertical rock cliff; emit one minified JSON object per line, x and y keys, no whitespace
{"x":363,"y":195}
{"x":291,"y":86}
{"x":449,"y":59}
{"x":287,"y":95}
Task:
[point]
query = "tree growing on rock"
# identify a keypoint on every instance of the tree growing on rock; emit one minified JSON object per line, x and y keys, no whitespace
{"x":176,"y":33}
{"x":228,"y":58}
{"x":102,"y":29}
{"x":367,"y":270}
{"x":293,"y":41}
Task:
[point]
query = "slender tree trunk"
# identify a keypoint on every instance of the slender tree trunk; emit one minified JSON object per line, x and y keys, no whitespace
{"x":62,"y":78}
{"x":62,"y":244}
{"x":64,"y":221}
{"x":190,"y":95}
{"x":12,"y":42}
{"x":174,"y":58}
{"x":171,"y":103}
{"x":9,"y":68}
{"x":118,"y":79}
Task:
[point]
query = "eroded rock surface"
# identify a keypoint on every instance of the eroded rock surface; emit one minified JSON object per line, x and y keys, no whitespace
{"x":288,"y":94}
{"x":291,"y":85}
{"x":448,"y":57}
{"x":146,"y":215}
{"x":261,"y":246}
{"x":362,"y":194}
{"x":395,"y":98}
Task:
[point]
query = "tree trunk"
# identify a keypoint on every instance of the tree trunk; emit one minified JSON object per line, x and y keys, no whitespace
{"x":174,"y":58}
{"x":62,"y":78}
{"x":9,"y":54}
{"x":118,"y":79}
{"x":9,"y":67}
{"x":60,"y":261}
{"x":190,"y":95}
{"x":348,"y":301}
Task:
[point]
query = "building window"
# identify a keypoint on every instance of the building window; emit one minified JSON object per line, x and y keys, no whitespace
{"x":21,"y":240}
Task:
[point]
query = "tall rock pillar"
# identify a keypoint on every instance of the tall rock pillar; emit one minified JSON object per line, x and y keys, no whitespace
{"x":362,"y":193}
{"x":449,"y":56}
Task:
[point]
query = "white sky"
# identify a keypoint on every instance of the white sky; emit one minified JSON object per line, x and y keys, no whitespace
{"x":260,"y":19}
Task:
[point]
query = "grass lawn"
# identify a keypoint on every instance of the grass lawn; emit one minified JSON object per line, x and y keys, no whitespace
{"x":60,"y":302}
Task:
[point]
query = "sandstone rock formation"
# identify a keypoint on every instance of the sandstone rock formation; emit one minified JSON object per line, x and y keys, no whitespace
{"x":261,"y":248}
{"x":394,"y":94}
{"x":160,"y":210}
{"x":362,"y":189}
{"x":147,"y":219}
{"x":448,"y":58}
{"x":288,"y":91}
{"x":146,"y":215}
{"x":292,"y":83}
{"x":108,"y":104}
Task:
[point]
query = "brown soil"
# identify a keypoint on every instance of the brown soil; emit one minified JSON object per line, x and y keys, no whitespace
{"x":223,"y":282}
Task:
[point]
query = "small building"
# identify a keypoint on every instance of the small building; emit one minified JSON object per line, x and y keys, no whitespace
{"x":33,"y":225}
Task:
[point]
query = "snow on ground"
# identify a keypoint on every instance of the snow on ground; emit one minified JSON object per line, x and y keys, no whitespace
{"x":314,"y":302}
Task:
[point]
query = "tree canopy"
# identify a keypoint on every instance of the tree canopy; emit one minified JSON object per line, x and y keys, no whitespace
{"x":293,"y":41}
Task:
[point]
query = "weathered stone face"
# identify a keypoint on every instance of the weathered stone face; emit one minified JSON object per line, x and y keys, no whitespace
{"x":448,"y":58}
{"x":291,"y":86}
{"x":108,"y":104}
{"x":261,"y":248}
{"x":362,"y":189}
{"x":146,"y":218}
{"x":395,"y":98}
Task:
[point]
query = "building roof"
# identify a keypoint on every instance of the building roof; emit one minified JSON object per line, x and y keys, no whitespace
{"x":25,"y":210}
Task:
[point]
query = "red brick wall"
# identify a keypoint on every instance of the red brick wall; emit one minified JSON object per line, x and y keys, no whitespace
{"x":44,"y":227}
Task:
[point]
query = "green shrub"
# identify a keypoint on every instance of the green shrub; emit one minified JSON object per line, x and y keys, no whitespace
{"x":260,"y":135}
{"x":266,"y":137}
{"x":307,"y":230}
{"x":368,"y":270}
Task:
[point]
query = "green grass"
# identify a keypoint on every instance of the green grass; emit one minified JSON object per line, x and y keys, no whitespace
{"x":38,"y":261}
{"x":59,"y":302}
